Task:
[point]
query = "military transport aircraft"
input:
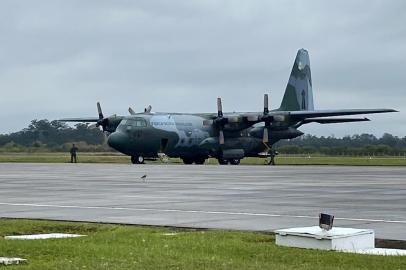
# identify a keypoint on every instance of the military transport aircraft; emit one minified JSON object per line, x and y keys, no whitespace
{"x":229,"y":137}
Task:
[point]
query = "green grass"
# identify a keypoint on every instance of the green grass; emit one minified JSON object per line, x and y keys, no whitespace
{"x":280,"y":160}
{"x":133,"y":247}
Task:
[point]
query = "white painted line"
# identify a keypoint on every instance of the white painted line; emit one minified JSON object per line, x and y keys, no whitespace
{"x":198,"y":212}
{"x":169,"y":234}
{"x":382,"y":252}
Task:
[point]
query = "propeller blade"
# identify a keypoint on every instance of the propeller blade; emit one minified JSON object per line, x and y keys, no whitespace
{"x":99,"y":110}
{"x":266,"y":107}
{"x":265,"y":138}
{"x":219,"y":108}
{"x":131,"y":111}
{"x":221,"y":137}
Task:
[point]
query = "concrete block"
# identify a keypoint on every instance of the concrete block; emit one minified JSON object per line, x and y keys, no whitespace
{"x":42,"y":236}
{"x":10,"y":261}
{"x":336,"y":239}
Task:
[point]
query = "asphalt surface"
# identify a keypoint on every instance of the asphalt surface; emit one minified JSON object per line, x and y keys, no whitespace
{"x":260,"y":198}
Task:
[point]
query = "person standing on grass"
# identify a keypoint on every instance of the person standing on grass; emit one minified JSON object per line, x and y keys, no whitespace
{"x":73,"y":152}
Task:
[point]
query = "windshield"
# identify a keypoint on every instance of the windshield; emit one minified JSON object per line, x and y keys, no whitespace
{"x":137,"y":122}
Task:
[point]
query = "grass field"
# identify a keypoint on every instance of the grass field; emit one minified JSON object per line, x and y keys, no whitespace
{"x":281,"y":160}
{"x":132,"y":247}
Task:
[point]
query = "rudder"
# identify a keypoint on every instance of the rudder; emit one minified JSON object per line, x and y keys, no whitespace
{"x":299,"y":94}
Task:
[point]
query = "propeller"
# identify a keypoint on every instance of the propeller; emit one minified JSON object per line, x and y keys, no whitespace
{"x":103,"y":122}
{"x":220,"y":121}
{"x":148,"y":109}
{"x":267,"y":119}
{"x":131,"y":111}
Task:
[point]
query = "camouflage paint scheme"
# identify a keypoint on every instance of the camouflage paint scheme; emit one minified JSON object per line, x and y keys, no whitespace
{"x":195,"y":137}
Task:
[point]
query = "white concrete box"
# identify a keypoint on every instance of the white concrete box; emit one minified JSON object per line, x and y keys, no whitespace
{"x":346,"y":239}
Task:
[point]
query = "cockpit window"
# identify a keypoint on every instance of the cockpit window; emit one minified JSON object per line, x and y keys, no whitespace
{"x":139,"y":122}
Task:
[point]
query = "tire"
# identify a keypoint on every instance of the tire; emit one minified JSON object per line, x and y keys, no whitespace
{"x":187,"y":161}
{"x":137,"y":160}
{"x":234,"y":161}
{"x":223,"y":161}
{"x":200,"y":161}
{"x":140,"y":160}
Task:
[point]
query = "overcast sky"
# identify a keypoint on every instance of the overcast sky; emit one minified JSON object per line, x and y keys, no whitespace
{"x":58,"y":58}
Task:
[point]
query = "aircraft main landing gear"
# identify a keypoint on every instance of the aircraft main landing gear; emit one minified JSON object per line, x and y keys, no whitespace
{"x":196,"y":160}
{"x":200,"y":161}
{"x":187,"y":161}
{"x":223,"y":161}
{"x":137,"y":160}
{"x":233,"y":161}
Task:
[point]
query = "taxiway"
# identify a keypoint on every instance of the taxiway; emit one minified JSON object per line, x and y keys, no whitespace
{"x":260,"y":198}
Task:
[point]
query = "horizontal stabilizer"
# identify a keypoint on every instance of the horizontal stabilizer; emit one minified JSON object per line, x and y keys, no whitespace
{"x":326,"y":113}
{"x":89,"y":119}
{"x":333,"y":120}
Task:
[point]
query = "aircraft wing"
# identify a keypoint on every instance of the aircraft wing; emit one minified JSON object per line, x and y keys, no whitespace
{"x":333,"y":120}
{"x":88,"y":119}
{"x":326,"y":113}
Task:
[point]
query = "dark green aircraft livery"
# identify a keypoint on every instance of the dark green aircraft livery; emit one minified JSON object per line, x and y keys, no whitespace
{"x":229,"y":137}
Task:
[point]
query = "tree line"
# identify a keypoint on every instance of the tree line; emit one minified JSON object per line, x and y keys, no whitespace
{"x":355,"y":145}
{"x":53,"y":136}
{"x":44,"y":135}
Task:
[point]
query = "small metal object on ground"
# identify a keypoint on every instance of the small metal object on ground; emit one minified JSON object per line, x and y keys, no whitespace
{"x":42,"y":236}
{"x":10,"y":261}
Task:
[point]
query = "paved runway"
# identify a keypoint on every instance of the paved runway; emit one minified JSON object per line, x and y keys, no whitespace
{"x":232,"y":197}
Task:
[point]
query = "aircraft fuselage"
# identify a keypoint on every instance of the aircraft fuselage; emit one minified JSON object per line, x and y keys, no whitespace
{"x":186,"y":136}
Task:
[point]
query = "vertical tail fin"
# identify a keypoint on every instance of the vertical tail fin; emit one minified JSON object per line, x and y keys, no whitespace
{"x":298,"y":94}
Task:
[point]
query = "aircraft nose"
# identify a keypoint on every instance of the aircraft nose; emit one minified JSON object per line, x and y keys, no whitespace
{"x":117,"y":140}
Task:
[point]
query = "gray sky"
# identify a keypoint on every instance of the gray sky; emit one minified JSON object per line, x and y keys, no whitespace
{"x":57,"y":58}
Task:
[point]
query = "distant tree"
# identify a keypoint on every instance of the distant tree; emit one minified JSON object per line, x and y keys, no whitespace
{"x":53,"y":134}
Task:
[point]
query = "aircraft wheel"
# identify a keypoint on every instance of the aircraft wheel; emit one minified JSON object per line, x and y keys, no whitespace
{"x":200,"y":161}
{"x":223,"y":161}
{"x":234,"y":161}
{"x":137,"y":160}
{"x":187,"y":161}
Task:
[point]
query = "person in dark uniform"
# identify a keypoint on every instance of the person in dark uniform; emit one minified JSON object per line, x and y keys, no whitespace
{"x":73,"y":152}
{"x":273,"y":155}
